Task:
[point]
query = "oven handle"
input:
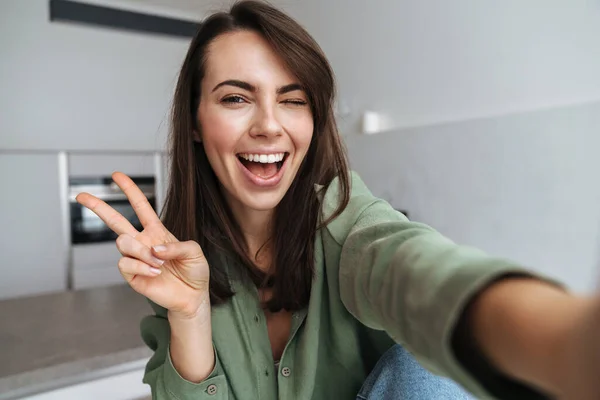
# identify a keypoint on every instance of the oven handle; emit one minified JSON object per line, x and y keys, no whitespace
{"x":112,"y":196}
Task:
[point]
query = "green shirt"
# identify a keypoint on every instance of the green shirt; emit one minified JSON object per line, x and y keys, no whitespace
{"x":380,"y":279}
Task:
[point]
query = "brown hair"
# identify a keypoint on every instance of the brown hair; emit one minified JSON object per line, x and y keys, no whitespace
{"x":195,"y":207}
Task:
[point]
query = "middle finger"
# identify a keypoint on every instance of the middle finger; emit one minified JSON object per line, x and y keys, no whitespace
{"x":137,"y":199}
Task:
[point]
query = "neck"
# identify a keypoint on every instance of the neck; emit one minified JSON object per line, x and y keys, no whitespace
{"x":256,"y":230}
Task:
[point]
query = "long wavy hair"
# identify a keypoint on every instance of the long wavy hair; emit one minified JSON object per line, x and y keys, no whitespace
{"x":195,"y":208}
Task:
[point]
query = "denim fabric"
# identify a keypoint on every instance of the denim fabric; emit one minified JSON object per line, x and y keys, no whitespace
{"x":398,"y":375}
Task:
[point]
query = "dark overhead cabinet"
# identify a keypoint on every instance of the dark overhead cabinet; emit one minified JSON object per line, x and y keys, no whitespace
{"x":114,"y":18}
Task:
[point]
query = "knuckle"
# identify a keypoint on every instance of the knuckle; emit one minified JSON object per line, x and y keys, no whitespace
{"x":196,"y":250}
{"x":122,"y":264}
{"x":139,"y":204}
{"x":144,"y":252}
{"x":121,"y":241}
{"x":192,"y":244}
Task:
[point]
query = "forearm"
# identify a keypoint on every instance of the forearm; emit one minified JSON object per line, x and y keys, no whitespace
{"x":191,"y":346}
{"x":523,"y":327}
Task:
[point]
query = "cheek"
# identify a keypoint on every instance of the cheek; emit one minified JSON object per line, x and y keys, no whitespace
{"x":299,"y":125}
{"x":220,"y":132}
{"x":304,"y":133}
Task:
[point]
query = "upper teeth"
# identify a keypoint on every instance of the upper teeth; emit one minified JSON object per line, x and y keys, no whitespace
{"x":263,"y":158}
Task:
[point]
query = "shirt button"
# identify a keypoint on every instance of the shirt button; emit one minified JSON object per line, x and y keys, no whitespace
{"x":211,"y":389}
{"x":256,"y":318}
{"x":286,"y":372}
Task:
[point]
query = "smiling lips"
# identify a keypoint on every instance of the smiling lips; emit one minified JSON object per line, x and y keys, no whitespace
{"x":263,"y":169}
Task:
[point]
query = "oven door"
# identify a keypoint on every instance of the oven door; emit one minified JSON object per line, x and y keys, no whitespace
{"x":87,"y":227}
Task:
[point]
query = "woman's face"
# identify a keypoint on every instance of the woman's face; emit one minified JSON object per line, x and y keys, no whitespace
{"x":255,"y":122}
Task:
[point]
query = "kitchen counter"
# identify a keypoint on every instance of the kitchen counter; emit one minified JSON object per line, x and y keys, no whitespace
{"x":59,"y":339}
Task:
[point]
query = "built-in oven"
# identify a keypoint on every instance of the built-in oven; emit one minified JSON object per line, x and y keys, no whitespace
{"x":87,"y":227}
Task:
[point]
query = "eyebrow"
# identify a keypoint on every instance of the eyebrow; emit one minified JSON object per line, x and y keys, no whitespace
{"x":251,"y":88}
{"x":289,"y":88}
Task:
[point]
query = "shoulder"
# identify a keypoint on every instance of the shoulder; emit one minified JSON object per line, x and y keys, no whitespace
{"x":360,"y":199}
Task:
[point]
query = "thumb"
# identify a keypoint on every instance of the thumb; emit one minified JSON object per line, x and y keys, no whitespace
{"x":189,"y":250}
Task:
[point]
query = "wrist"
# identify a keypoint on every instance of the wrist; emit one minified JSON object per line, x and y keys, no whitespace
{"x":197,"y":314}
{"x":191,"y":347}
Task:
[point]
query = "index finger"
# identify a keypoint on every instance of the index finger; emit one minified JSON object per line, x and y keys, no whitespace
{"x":115,"y":221}
{"x":138,"y":201}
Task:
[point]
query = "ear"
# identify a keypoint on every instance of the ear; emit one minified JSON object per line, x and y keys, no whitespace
{"x":197,"y":137}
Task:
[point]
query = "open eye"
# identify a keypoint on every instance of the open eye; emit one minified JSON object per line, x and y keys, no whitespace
{"x":234,"y":100}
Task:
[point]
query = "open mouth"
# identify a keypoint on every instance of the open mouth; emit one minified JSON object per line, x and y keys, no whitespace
{"x":264,"y":166}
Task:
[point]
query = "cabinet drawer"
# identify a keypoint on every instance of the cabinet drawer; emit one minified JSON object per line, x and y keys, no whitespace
{"x":95,"y":256}
{"x":96,"y":277}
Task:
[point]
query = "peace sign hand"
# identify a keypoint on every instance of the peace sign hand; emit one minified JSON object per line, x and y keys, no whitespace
{"x":173,"y":274}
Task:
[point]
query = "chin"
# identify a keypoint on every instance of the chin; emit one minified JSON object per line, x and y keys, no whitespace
{"x":261,"y":201}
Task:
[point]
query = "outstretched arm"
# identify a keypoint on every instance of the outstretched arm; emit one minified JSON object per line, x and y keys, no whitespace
{"x":538,"y":334}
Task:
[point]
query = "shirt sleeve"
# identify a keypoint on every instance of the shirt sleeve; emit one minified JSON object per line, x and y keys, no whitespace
{"x":407,"y":279}
{"x":164,"y":380}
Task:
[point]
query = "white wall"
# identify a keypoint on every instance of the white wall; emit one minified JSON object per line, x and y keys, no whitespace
{"x":423,"y":62}
{"x":419,"y":62}
{"x":523,"y":187}
{"x":73,"y":87}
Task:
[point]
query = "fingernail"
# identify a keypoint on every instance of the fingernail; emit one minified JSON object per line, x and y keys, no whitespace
{"x":155,"y":271}
{"x":158,"y":261}
{"x":159,"y":248}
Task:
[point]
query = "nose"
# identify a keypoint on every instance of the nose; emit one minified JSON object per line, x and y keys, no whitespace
{"x":265,"y":123}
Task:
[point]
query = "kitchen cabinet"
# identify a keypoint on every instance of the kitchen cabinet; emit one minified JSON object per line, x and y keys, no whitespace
{"x":104,"y":164}
{"x":95,"y":263}
{"x":34,"y":219}
{"x":32,"y":235}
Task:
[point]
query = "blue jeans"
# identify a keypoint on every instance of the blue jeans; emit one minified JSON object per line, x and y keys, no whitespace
{"x":398,"y":375}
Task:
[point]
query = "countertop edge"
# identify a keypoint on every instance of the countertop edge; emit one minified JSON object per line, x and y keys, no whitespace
{"x":71,"y":373}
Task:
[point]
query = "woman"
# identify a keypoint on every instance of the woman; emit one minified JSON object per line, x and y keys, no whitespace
{"x":276,"y":274}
